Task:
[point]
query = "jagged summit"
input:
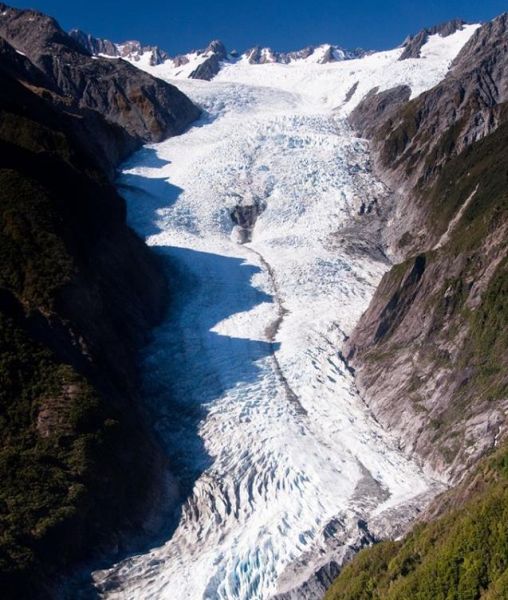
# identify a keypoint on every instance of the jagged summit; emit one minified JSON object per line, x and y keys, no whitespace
{"x":131,"y":50}
{"x":209,"y":60}
{"x":322,"y":54}
{"x":35,"y":30}
{"x":217,"y":47}
{"x":206,"y":63}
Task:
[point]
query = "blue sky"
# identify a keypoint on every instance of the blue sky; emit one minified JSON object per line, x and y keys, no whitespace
{"x":284,"y":25}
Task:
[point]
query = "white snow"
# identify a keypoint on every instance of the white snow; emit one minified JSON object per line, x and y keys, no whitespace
{"x":171,"y":70}
{"x":102,"y":55}
{"x":270,"y":434}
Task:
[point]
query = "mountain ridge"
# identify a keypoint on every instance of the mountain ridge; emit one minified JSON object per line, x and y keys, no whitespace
{"x":461,"y":111}
{"x":145,"y":108}
{"x":212,"y":55}
{"x":216,"y":52}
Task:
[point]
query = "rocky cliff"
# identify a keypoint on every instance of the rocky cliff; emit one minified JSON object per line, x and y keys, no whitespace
{"x":431,"y":352}
{"x":79,"y":291}
{"x":216,"y":53}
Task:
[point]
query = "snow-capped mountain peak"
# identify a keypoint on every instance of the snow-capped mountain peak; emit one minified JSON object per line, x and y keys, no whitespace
{"x":206,"y":63}
{"x":322,"y":54}
{"x":216,"y":47}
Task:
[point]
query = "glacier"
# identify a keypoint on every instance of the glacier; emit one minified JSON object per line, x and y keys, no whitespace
{"x":285,"y":470}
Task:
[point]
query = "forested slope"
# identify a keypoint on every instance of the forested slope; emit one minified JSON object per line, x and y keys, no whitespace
{"x":79,"y":292}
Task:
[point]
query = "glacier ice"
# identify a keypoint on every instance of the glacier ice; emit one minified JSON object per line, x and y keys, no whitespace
{"x":245,"y":380}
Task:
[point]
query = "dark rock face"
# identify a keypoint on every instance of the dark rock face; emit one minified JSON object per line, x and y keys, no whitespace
{"x":430,"y":353}
{"x":376,"y":107}
{"x":147,"y":108}
{"x":255,"y":55}
{"x":218,"y":48}
{"x":19,"y":67}
{"x":106,"y":143}
{"x":333,"y":54}
{"x":413,"y":45}
{"x":245,"y":217}
{"x":400,"y":303}
{"x":414,"y":141}
{"x":207,"y":70}
{"x":79,"y":292}
{"x":328,"y":56}
{"x":158,"y":55}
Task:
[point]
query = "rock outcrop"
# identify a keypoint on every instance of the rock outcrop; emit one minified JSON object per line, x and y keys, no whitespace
{"x":244,"y":216}
{"x":94,"y":45}
{"x":216,"y":53}
{"x":376,"y":107}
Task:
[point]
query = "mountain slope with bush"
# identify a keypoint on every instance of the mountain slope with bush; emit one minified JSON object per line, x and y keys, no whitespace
{"x":461,"y":553}
{"x":431,"y":352}
{"x":79,"y":292}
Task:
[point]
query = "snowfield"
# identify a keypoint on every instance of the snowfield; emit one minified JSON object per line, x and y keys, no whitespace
{"x":283,"y":466}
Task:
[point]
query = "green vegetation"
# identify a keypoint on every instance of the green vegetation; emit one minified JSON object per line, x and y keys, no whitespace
{"x":462,"y":555}
{"x":478,"y":245}
{"x":60,"y":440}
{"x":489,"y":338}
{"x":481,"y":167}
{"x":45,"y":470}
{"x":34,"y":262}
